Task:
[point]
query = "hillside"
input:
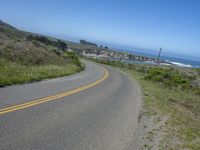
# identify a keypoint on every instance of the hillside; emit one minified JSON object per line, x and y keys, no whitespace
{"x":23,"y":59}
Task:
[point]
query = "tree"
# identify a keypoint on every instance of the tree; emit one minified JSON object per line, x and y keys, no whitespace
{"x":88,"y":43}
{"x":62,"y":45}
{"x":59,"y":44}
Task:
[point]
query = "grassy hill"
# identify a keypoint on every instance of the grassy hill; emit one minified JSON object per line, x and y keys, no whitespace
{"x":27,"y":60}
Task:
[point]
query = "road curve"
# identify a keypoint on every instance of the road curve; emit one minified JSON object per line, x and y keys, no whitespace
{"x":101,"y":117}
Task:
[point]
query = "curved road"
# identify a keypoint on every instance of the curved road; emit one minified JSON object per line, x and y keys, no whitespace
{"x":100,"y":117}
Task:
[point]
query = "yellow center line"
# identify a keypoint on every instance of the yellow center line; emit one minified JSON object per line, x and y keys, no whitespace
{"x":54,"y":97}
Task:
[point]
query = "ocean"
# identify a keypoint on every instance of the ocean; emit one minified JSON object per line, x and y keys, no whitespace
{"x":182,"y":61}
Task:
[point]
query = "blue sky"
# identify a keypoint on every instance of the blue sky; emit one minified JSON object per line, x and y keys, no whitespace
{"x":148,"y":25}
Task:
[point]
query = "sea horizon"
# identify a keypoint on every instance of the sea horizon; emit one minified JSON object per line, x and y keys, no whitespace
{"x":175,"y":59}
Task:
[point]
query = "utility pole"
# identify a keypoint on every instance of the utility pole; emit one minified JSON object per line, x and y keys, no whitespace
{"x":158,"y":59}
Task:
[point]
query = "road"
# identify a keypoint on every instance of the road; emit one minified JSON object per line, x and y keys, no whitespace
{"x":101,"y":116}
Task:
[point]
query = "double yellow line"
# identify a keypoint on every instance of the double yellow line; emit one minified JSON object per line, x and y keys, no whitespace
{"x":54,"y":97}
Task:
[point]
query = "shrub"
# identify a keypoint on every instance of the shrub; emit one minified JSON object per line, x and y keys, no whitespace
{"x":169,"y":77}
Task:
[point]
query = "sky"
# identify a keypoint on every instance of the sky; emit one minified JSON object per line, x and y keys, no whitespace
{"x":144,"y":25}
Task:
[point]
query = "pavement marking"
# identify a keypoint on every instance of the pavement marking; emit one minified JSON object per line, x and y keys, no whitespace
{"x":54,"y":97}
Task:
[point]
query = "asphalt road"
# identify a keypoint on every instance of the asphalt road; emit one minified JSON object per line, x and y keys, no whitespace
{"x":102,"y":117}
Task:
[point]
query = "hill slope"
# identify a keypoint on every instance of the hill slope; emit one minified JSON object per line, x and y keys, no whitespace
{"x":24,"y":60}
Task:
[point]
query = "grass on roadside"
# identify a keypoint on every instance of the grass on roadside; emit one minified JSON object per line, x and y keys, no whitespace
{"x":12,"y":73}
{"x":182,"y":130}
{"x":169,"y":93}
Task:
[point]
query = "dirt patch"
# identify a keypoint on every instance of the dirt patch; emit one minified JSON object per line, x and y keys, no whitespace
{"x":149,"y":132}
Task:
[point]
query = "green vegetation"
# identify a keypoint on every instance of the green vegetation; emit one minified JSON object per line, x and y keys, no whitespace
{"x":172,"y":92}
{"x":167,"y":77}
{"x":59,"y":44}
{"x":12,"y":73}
{"x":26,"y":57}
